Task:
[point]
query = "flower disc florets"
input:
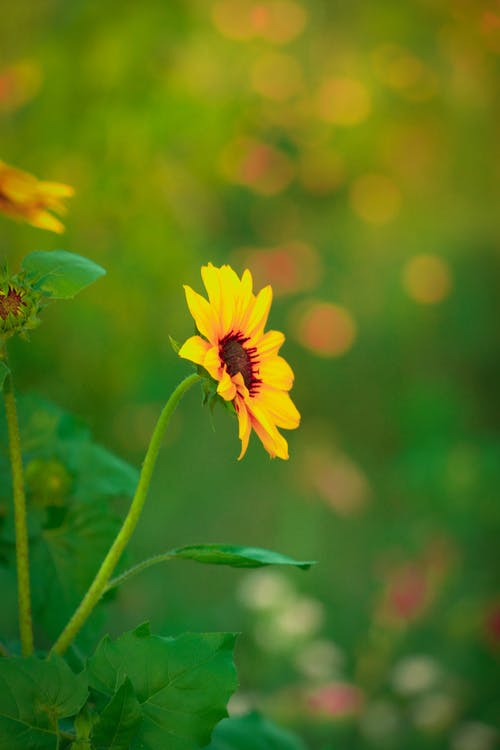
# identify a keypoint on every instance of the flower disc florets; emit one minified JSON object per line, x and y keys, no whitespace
{"x":19,"y":307}
{"x":240,"y":358}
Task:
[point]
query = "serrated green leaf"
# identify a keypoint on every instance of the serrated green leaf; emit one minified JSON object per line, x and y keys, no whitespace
{"x":253,"y":732}
{"x":58,"y":274}
{"x":4,"y":371}
{"x":182,"y":684}
{"x":64,"y":561}
{"x":34,"y":695}
{"x":236,"y":556}
{"x":119,"y":721}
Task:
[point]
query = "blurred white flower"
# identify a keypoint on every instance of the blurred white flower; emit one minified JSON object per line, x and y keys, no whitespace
{"x":282,"y":630}
{"x":380,"y":721}
{"x":415,"y":674}
{"x":320,"y":660}
{"x":302,"y":617}
{"x":474,"y":735}
{"x":433,"y":712}
{"x":265,"y":589}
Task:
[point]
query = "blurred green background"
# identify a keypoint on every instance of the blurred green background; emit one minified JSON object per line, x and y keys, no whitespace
{"x":345,"y":153}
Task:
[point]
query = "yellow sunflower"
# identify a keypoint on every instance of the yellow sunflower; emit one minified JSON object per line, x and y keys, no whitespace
{"x":244,"y":360}
{"x":24,"y":197}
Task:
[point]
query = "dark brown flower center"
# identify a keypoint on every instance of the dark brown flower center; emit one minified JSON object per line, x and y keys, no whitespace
{"x":12,"y":302}
{"x":238,"y":358}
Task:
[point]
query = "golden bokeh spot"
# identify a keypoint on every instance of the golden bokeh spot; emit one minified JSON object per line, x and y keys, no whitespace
{"x":396,"y":67}
{"x":277,"y":76}
{"x":257,"y":165}
{"x":343,"y":101}
{"x":19,"y":83}
{"x":427,"y":279}
{"x":326,"y":329}
{"x":321,"y":171}
{"x":290,"y":268}
{"x":232,"y":18}
{"x":278,"y":21}
{"x":375,"y":198}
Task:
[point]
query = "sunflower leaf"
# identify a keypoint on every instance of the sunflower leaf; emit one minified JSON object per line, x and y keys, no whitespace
{"x":58,"y":274}
{"x":119,"y":721}
{"x":252,"y":732}
{"x":181,"y":684}
{"x":37,"y":693}
{"x":236,"y":556}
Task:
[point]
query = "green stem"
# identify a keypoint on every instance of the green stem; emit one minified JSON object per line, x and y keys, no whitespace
{"x":109,"y":563}
{"x":143,"y":565}
{"x":22,"y":551}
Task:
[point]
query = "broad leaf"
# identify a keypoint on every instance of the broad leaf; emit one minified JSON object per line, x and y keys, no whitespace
{"x":253,"y":732}
{"x":35,"y":694}
{"x":4,"y":371}
{"x":237,"y":557}
{"x":119,"y":721}
{"x":58,"y":274}
{"x":64,"y":561}
{"x":182,"y":684}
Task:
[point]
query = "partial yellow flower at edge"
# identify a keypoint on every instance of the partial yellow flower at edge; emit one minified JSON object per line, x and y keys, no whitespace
{"x":241,"y":357}
{"x":24,"y":197}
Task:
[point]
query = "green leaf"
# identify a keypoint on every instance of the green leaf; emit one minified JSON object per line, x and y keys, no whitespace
{"x":174,"y":344}
{"x":58,"y":274}
{"x":64,"y":561}
{"x":35,"y":694}
{"x":119,"y":721}
{"x":182,"y":684}
{"x":253,"y":732}
{"x":4,"y":371}
{"x":237,"y":557}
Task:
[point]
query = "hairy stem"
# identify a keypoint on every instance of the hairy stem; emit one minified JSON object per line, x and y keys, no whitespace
{"x":98,"y":586}
{"x":22,"y":550}
{"x":143,"y":565}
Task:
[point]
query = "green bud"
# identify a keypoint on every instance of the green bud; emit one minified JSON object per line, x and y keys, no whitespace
{"x":19,"y":307}
{"x":48,"y":482}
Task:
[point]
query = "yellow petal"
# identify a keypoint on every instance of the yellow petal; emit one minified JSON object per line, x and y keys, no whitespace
{"x":244,"y":426}
{"x":212,"y":363}
{"x":56,"y":189}
{"x":226,"y":387}
{"x":221,"y":295}
{"x":259,"y":312}
{"x":202,"y":313}
{"x":44,"y":220}
{"x":244,"y":299}
{"x":280,"y":408}
{"x":240,"y":384}
{"x":276,"y":373}
{"x":263,"y":424}
{"x":274,"y":443}
{"x":194,"y":349}
{"x":270,"y":343}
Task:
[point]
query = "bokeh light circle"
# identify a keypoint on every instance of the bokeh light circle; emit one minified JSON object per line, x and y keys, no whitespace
{"x":327,"y":329}
{"x":427,"y":279}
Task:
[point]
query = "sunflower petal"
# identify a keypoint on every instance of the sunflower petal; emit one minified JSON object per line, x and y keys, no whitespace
{"x":270,"y":343}
{"x":274,"y":443}
{"x":260,"y":310}
{"x":212,"y":363}
{"x":204,"y":315}
{"x":280,"y":408}
{"x":226,"y":387}
{"x":244,"y":426}
{"x":276,"y":373}
{"x":194,"y":349}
